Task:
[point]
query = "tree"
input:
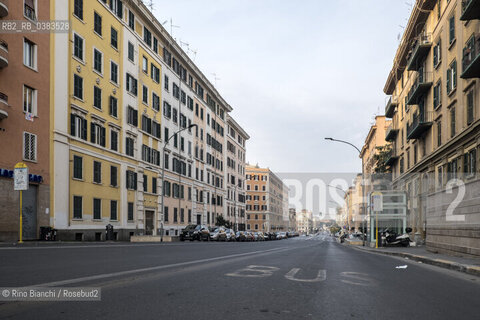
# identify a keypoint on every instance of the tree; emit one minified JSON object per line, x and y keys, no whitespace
{"x":381,"y":157}
{"x":221,"y":222}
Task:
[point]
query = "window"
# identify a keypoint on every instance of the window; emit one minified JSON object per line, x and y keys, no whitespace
{"x":113,"y":106}
{"x":439,"y":133}
{"x":131,"y":180}
{"x":114,"y":38}
{"x":129,"y":146}
{"x":145,"y":183}
{"x":97,"y":209}
{"x":29,"y":9}
{"x":147,"y":36}
{"x":97,"y":172}
{"x":437,"y":94}
{"x":77,"y":167}
{"x":470,"y":107}
{"x":452,"y":121}
{"x":29,"y":100}
{"x":78,"y":46}
{"x":97,"y":61}
{"x":78,"y":9}
{"x":167,"y":110}
{"x":437,"y":54}
{"x":132,"y":84}
{"x":114,"y":72}
{"x":131,"y":52}
{"x":78,"y":87}
{"x":132,"y":116}
{"x":29,"y":146}
{"x":154,"y":185}
{"x":130,"y":211}
{"x":97,"y":134}
{"x":97,"y":23}
{"x":77,"y":207}
{"x":166,"y":188}
{"x":156,"y":129}
{"x":29,"y":54}
{"x":155,"y":73}
{"x":155,"y":45}
{"x":145,"y":95}
{"x":114,"y":140}
{"x":78,"y":126}
{"x":165,"y":84}
{"x":451,"y":29}
{"x":470,"y":163}
{"x":113,"y":210}
{"x":452,"y":77}
{"x":144,"y":64}
{"x":131,"y":21}
{"x":113,"y":176}
{"x":117,"y":7}
{"x":146,"y":124}
{"x":97,"y":97}
{"x":155,"y":102}
{"x":175,"y":214}
{"x":165,"y":214}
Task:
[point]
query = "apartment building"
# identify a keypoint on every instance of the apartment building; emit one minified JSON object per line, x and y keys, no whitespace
{"x":434,"y":104}
{"x":267,"y":200}
{"x":235,"y":179}
{"x":304,"y":221}
{"x":24,"y":119}
{"x":136,"y":104}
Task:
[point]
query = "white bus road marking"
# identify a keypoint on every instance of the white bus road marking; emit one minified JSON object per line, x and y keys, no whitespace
{"x":156,"y":268}
{"x":253,"y":271}
{"x":321,"y":276}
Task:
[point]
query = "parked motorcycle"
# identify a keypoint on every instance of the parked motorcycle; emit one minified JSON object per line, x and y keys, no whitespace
{"x":391,"y":238}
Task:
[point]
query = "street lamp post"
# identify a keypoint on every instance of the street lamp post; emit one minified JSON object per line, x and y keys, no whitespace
{"x":163,"y":175}
{"x":364,"y":231}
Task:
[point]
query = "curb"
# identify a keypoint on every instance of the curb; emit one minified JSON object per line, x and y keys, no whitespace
{"x":470,"y":269}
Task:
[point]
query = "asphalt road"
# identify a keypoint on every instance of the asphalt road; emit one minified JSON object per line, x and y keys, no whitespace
{"x":300,"y":278}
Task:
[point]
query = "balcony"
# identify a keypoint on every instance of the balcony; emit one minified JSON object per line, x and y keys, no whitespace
{"x":3,"y":54}
{"x":421,"y":86}
{"x":390,"y":107}
{"x":470,"y":10}
{"x":3,"y":106}
{"x":3,"y":8}
{"x":391,"y":133}
{"x":471,"y":58}
{"x":391,"y":158}
{"x":421,"y":122}
{"x":420,"y":47}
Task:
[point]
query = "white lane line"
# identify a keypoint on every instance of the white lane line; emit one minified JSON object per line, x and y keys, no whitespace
{"x":129,"y":272}
{"x":321,"y":276}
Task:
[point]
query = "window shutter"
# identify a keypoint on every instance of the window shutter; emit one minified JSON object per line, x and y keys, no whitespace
{"x":465,"y":163}
{"x":92,"y":132}
{"x":84,"y":129}
{"x":102,"y":136}
{"x":72,"y":124}
{"x":449,"y":76}
{"x":119,"y":9}
{"x":454,"y":74}
{"x":135,"y":181}
{"x":135,"y":118}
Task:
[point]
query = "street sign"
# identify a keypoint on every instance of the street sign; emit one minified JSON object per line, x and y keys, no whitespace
{"x":20,"y":177}
{"x":377,"y":201}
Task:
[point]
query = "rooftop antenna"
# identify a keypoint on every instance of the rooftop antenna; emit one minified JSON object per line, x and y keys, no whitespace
{"x":150,"y":5}
{"x":194,"y":53}
{"x":215,"y":78}
{"x":171,"y":27}
{"x":182,"y":43}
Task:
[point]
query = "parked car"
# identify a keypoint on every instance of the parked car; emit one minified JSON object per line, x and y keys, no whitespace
{"x":195,"y":232}
{"x":218,"y":234}
{"x":281,"y":235}
{"x":249,"y":236}
{"x":230,"y":235}
{"x":240,"y":236}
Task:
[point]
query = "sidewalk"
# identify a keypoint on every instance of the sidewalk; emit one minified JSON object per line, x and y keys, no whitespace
{"x":420,"y":254}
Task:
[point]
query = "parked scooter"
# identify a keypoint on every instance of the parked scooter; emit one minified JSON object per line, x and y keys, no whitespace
{"x":391,"y":238}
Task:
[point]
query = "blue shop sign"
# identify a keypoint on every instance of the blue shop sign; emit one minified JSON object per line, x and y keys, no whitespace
{"x":32,"y":177}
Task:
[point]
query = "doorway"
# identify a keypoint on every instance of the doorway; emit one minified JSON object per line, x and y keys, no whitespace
{"x":29,"y":213}
{"x":149,"y":218}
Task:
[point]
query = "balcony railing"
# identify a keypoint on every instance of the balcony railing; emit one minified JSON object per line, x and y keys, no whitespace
{"x":421,"y":122}
{"x":3,"y":8}
{"x":3,"y":106}
{"x":391,"y":133}
{"x":471,"y":58}
{"x":391,"y":157}
{"x":3,"y":54}
{"x":420,"y":47}
{"x":421,"y":85}
{"x":470,"y":10}
{"x":390,"y":107}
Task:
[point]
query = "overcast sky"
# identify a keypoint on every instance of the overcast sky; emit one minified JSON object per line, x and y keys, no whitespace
{"x":295,"y":71}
